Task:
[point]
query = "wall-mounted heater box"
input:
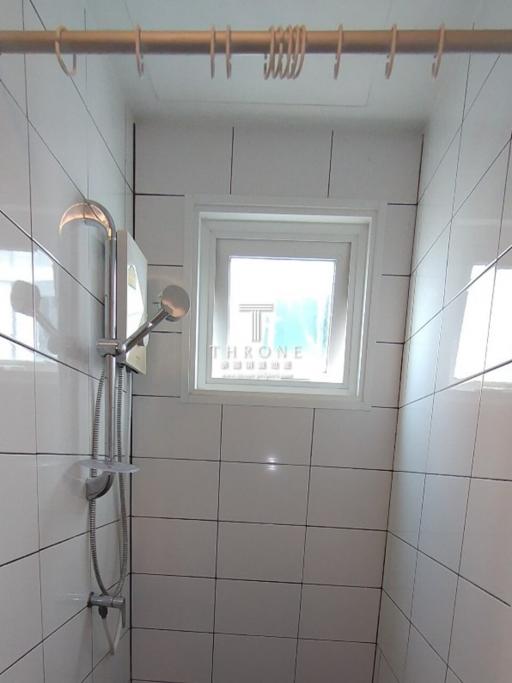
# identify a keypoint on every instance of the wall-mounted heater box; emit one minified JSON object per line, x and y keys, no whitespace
{"x":132,"y":277}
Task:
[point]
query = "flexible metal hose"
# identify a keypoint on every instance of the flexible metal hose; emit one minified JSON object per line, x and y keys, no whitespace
{"x":116,"y":590}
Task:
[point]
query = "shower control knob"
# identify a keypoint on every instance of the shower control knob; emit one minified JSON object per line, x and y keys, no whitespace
{"x":103,"y":611}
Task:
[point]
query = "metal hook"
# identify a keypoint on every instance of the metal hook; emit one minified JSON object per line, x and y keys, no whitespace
{"x":339,"y":49}
{"x":228,"y":51}
{"x":212,"y":51}
{"x":138,"y":51}
{"x":58,"y":39}
{"x":303,"y":34}
{"x":440,"y":50}
{"x":268,"y":66}
{"x":392,"y":51}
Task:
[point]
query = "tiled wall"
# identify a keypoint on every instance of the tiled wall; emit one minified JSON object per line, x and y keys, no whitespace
{"x":446,"y":612}
{"x":60,"y":140}
{"x":245,"y":571}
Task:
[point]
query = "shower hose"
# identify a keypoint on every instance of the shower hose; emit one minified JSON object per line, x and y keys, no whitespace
{"x":116,"y":589}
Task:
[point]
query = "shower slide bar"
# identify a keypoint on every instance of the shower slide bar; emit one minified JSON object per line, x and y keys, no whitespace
{"x":284,"y":48}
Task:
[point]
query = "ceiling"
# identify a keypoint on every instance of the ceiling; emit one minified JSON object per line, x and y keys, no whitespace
{"x":181,"y":86}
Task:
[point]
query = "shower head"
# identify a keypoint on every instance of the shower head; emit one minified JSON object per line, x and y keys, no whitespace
{"x":174,"y":304}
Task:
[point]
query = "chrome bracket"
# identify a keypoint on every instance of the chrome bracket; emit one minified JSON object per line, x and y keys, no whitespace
{"x":107,"y":347}
{"x":96,"y":487}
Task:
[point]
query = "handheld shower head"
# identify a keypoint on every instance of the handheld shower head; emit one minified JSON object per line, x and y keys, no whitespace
{"x":175,"y":302}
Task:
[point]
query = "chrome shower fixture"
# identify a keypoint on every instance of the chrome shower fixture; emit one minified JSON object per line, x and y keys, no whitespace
{"x":174,"y":304}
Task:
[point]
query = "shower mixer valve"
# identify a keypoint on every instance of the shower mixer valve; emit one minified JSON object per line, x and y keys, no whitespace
{"x":106,"y":602}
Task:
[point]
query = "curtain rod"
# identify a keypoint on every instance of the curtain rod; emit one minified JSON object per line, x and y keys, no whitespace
{"x":424,"y":41}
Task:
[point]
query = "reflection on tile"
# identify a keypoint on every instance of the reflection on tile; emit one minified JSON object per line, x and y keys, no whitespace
{"x":17,"y":417}
{"x":16,"y":299}
{"x":500,"y":329}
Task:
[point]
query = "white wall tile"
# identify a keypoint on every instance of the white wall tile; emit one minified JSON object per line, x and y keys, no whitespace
{"x":269,"y":435}
{"x":183,"y":159}
{"x":412,"y":435}
{"x":344,"y":556}
{"x":173,"y":602}
{"x":506,"y":223}
{"x":287,"y":161}
{"x":327,"y":660}
{"x":481,"y":626}
{"x":429,"y":284}
{"x":61,"y":486}
{"x":174,"y":546}
{"x":52,"y":193}
{"x":29,"y":668}
{"x":360,"y":163}
{"x":115,"y":669}
{"x":384,"y":375}
{"x":494,"y":431}
{"x":339,"y":613}
{"x":348,"y":498}
{"x":163,"y":376}
{"x":253,"y":659}
{"x":397,"y":250}
{"x":17,"y":417}
{"x":263,"y":493}
{"x":68,"y":651}
{"x":63,"y":408}
{"x":176,"y":488}
{"x":159,"y":228}
{"x":19,"y":596}
{"x":433,"y":603}
{"x":257,"y":608}
{"x":169,"y":428}
{"x":18,"y":493}
{"x":405,"y":506}
{"x":14,"y":176}
{"x":171,"y":655}
{"x":423,"y":665}
{"x":443,"y":517}
{"x":391,"y":307}
{"x":354,"y":438}
{"x":487,"y":550}
{"x":393,"y":636}
{"x":500,"y":332}
{"x":12,"y":69}
{"x":453,"y":430}
{"x":65,"y":581}
{"x":383,"y":672}
{"x":485,"y":131}
{"x":475,"y":228}
{"x":266,"y":552}
{"x":464,"y":335}
{"x":419,"y":362}
{"x":399,"y":572}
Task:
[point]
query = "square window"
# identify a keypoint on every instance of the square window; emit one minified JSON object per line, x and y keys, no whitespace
{"x":278,"y":304}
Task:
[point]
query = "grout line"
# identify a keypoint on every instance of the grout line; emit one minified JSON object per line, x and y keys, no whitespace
{"x":156,"y":194}
{"x":330,"y":165}
{"x":231,"y":162}
{"x":301,"y":594}
{"x":217,"y":529}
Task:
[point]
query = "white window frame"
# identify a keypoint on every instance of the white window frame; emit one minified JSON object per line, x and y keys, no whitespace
{"x":246,"y":219}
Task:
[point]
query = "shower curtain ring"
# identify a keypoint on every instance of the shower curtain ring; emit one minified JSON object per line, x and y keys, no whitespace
{"x":440,"y":50}
{"x":58,"y":53}
{"x":138,"y":51}
{"x":302,"y":50}
{"x":392,"y":51}
{"x":339,"y":49}
{"x":268,"y":67}
{"x":295,"y":42}
{"x":288,"y":36}
{"x":228,"y":51}
{"x":212,"y":51}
